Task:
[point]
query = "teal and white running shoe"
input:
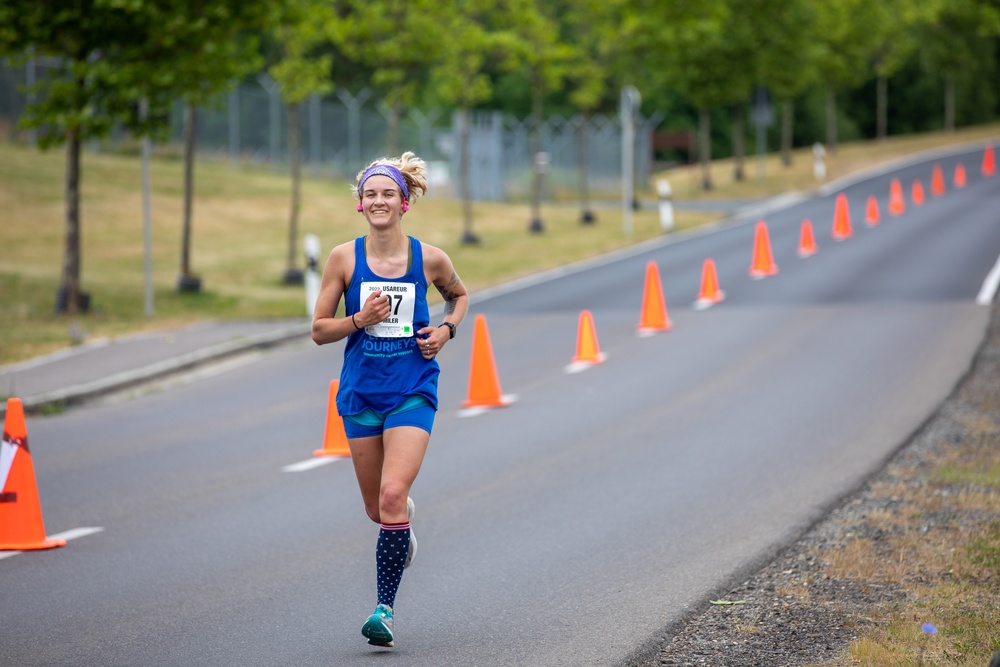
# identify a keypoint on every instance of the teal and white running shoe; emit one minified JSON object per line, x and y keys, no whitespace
{"x":378,"y":628}
{"x":413,"y":540}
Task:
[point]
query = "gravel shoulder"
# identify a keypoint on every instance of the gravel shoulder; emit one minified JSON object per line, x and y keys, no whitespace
{"x":797,"y":610}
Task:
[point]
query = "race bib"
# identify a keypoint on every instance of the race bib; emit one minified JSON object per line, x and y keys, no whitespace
{"x":402,"y":298}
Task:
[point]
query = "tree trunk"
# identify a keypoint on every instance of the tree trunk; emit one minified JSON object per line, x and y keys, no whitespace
{"x":739,"y":141}
{"x":831,"y":121}
{"x":70,"y":289}
{"x":705,"y":148}
{"x":538,"y":164}
{"x":787,"y":121}
{"x":294,"y":276}
{"x":187,"y":282}
{"x":583,"y":158}
{"x":949,"y":103}
{"x":881,"y":110}
{"x":468,"y":236}
{"x":392,"y":140}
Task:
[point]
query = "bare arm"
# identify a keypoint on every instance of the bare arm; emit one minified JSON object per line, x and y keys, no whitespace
{"x":441,"y":272}
{"x":326,"y":327}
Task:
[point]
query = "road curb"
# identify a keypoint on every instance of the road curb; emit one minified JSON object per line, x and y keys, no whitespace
{"x":88,"y":390}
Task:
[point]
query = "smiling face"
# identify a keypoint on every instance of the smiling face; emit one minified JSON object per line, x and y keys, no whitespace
{"x":381,"y":200}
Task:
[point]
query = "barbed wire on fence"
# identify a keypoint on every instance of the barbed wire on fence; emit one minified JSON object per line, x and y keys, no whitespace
{"x":342,"y":132}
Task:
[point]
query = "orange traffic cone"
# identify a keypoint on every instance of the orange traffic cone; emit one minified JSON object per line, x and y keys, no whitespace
{"x":654,"y":308}
{"x":587,"y":350}
{"x":763,"y":261}
{"x":959,"y":175}
{"x":897,"y":205}
{"x":841,"y":219}
{"x":807,"y":240}
{"x":21,"y":525}
{"x":335,"y":440}
{"x":871,"y":212}
{"x":710,"y":293}
{"x":484,"y":383}
{"x":917,"y":193}
{"x":989,"y":161}
{"x":937,"y":181}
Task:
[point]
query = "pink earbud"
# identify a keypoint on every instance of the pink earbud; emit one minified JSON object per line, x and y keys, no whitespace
{"x":360,"y":208}
{"x":406,"y":205}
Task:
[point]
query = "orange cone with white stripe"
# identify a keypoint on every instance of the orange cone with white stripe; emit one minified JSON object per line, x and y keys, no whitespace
{"x":937,"y":181}
{"x":959,"y":179}
{"x":335,"y":440}
{"x":710,"y":293}
{"x":587,"y":349}
{"x":897,"y":205}
{"x":871,"y":212}
{"x":807,"y":239}
{"x":841,"y":219}
{"x":484,"y":383}
{"x":21,"y":525}
{"x":762,"y":263}
{"x":917,"y":193}
{"x":654,"y":308}
{"x":989,"y":161}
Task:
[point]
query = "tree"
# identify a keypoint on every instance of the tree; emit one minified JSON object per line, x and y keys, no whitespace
{"x":787,"y":59}
{"x":740,"y":49}
{"x":215,"y":44}
{"x":591,"y":27}
{"x":91,"y":88}
{"x":843,"y":50}
{"x":891,"y":29}
{"x":398,"y":73}
{"x":300,"y":30}
{"x":110,"y":55}
{"x":684,"y":46}
{"x":952,"y":42}
{"x":459,"y":78}
{"x":546,"y":58}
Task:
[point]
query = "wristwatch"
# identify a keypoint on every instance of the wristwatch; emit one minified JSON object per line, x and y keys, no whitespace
{"x":451,"y":329}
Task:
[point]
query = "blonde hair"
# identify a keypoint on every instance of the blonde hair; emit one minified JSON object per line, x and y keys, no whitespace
{"x":413,"y":169}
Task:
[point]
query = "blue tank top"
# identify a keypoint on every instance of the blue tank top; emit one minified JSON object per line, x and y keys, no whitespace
{"x":383,"y":365}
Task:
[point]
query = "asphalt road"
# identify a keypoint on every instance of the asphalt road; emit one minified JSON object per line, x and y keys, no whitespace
{"x":570,"y":528}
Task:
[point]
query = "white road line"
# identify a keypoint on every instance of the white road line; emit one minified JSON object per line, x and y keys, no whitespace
{"x":580,"y":366}
{"x":66,"y":535}
{"x":507,"y":399}
{"x":75,"y":533}
{"x":989,"y":288}
{"x":309,"y":464}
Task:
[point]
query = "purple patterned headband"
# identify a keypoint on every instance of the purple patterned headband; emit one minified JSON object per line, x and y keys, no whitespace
{"x":385,"y":170}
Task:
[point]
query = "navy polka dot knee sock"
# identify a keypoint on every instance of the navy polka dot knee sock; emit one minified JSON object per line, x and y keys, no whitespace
{"x":390,"y":556}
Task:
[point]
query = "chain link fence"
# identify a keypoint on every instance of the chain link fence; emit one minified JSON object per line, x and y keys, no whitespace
{"x":342,"y":132}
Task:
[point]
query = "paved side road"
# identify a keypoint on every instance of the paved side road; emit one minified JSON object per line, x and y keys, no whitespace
{"x":101,"y":367}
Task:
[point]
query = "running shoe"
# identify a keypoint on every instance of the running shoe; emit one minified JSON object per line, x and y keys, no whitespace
{"x":378,"y":628}
{"x":412,"y":551}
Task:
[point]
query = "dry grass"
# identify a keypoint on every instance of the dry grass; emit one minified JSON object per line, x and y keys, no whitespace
{"x":940,"y":544}
{"x":848,"y":159}
{"x":239,"y":243}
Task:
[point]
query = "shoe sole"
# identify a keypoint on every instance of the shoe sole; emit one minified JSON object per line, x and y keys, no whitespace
{"x":376,"y":631}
